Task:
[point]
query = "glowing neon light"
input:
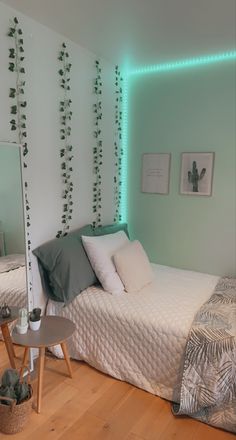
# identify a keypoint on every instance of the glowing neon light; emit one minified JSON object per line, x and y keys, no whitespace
{"x":124,"y":168}
{"x":156,"y":68}
{"x":184,"y":64}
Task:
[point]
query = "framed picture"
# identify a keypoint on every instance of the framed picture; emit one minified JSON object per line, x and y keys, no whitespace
{"x":196,"y":174}
{"x":156,"y":173}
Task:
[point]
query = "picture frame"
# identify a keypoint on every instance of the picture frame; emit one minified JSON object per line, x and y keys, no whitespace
{"x":196,"y":174}
{"x":156,"y":173}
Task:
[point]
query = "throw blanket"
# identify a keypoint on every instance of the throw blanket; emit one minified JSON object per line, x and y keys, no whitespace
{"x":208,"y":389}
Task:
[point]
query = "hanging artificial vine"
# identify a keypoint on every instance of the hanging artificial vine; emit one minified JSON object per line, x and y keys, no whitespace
{"x":66,"y":147}
{"x":16,"y":58}
{"x":98,"y":148}
{"x":118,"y":143}
{"x":18,"y":121}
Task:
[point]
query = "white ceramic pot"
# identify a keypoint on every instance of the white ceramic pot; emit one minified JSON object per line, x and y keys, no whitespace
{"x":21,"y":329}
{"x":35,"y":325}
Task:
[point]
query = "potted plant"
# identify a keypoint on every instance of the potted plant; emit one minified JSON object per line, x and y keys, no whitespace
{"x":35,"y":319}
{"x":15,"y":401}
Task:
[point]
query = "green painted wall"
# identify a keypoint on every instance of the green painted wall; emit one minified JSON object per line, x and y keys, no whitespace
{"x":11,"y":208}
{"x":184,"y":111}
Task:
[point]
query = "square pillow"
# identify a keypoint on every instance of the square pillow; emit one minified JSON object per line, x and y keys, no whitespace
{"x":100,"y":251}
{"x":133,"y":266}
{"x":64,"y":266}
{"x":111,"y":229}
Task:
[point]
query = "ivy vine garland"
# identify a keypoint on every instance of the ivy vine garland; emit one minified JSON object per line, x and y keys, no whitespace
{"x":118,"y":143}
{"x":17,"y":110}
{"x":66,"y":147}
{"x":16,"y":58}
{"x":98,"y":148}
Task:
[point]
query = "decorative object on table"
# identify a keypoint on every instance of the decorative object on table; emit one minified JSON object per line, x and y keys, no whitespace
{"x":196,"y":174}
{"x":22,"y":323}
{"x":35,"y":319}
{"x":5,"y":311}
{"x":156,"y":173}
{"x":16,"y":397}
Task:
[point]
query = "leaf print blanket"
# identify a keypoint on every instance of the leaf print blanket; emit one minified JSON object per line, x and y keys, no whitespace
{"x":208,"y":388}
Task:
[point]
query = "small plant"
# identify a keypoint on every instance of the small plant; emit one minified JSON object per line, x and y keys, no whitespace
{"x":35,"y":315}
{"x":194,"y":177}
{"x":12,"y":387}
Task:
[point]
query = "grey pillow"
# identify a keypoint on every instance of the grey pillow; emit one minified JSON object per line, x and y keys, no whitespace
{"x":112,"y":229}
{"x":64,"y":266}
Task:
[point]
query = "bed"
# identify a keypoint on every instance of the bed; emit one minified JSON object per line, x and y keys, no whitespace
{"x":138,"y":338}
{"x":13,"y":280}
{"x":144,"y":337}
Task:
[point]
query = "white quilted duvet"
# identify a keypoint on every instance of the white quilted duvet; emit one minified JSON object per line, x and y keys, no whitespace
{"x":13,"y":287}
{"x":140,"y":337}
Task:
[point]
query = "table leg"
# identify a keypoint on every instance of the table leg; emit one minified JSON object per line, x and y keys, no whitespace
{"x":8,"y":344}
{"x":67,"y":357}
{"x":40,"y":377}
{"x":24,"y":361}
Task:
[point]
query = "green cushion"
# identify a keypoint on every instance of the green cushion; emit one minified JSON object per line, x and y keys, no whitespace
{"x":64,"y":266}
{"x":111,"y":229}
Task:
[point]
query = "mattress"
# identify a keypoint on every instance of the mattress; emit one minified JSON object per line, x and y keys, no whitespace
{"x":140,"y":337}
{"x":13,"y":288}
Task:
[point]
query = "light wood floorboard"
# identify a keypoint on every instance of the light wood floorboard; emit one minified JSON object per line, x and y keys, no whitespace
{"x":93,"y":406}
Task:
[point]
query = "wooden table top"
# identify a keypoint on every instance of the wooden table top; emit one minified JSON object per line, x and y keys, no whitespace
{"x":13,"y":317}
{"x":53,"y":330}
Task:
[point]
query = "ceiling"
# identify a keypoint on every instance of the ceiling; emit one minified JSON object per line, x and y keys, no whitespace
{"x":139,"y":31}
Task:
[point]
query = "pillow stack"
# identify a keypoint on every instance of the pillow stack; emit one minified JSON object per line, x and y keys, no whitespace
{"x":70,"y":264}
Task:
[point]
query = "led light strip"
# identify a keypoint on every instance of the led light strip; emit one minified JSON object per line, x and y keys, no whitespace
{"x":183,"y":64}
{"x":155,"y":68}
{"x":124,"y":163}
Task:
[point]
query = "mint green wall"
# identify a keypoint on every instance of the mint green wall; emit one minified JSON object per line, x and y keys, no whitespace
{"x":184,"y":111}
{"x":11,"y":209}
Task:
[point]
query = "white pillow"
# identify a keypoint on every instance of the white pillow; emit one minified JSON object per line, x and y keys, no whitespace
{"x":133,"y":267}
{"x":100,"y":251}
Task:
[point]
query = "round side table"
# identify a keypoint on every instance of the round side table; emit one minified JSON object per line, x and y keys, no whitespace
{"x":54,"y":330}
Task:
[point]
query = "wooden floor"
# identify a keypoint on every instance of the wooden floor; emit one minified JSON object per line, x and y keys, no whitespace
{"x":95,"y":406}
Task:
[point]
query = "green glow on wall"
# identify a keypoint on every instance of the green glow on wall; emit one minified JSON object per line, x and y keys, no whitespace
{"x":150,"y":69}
{"x":184,"y":64}
{"x":124,"y":169}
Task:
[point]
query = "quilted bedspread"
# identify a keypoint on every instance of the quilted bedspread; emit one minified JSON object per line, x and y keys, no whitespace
{"x":208,"y":390}
{"x":13,"y":287}
{"x":140,"y":337}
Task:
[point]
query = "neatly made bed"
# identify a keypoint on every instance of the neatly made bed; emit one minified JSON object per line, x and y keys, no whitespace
{"x":139,"y":337}
{"x":144,"y":325}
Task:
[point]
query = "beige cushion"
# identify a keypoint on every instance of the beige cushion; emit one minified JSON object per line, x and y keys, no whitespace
{"x":133,"y":267}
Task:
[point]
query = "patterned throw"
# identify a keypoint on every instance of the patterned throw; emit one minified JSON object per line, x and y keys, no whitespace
{"x":208,"y":389}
